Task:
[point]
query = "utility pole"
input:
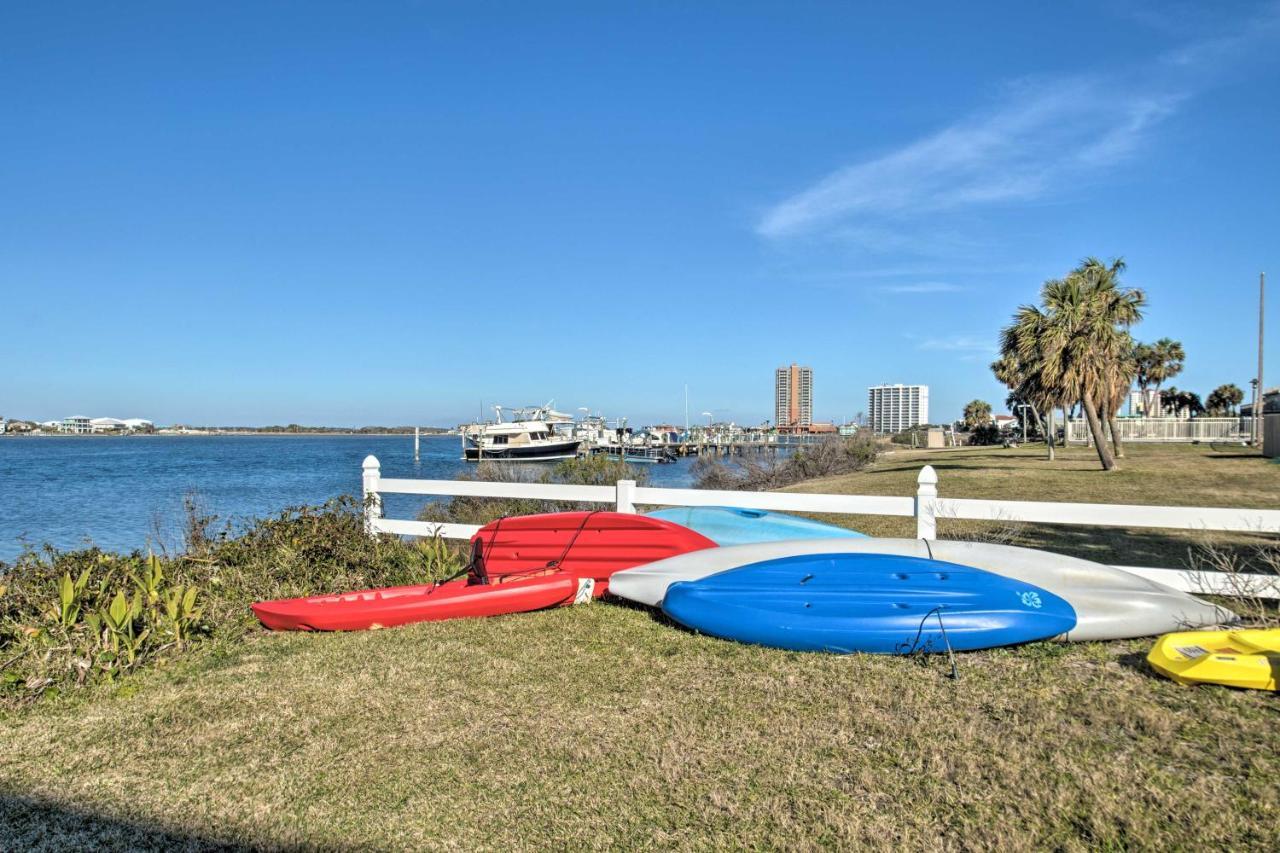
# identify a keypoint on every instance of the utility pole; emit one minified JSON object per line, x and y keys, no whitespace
{"x":1260,"y":396}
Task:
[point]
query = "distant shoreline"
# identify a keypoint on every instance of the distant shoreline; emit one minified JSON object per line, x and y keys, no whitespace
{"x":212,"y":433}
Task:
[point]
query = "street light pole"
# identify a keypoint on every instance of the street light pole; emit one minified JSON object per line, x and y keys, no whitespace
{"x":1259,"y":397}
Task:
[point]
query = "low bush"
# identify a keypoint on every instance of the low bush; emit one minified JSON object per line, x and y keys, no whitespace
{"x":828,"y":458}
{"x":914,"y":437}
{"x":986,"y":435}
{"x":589,"y":471}
{"x":69,"y":618}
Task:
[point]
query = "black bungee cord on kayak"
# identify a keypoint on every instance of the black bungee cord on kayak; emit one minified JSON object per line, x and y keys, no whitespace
{"x":915,"y":644}
{"x":555,"y":564}
{"x":480,"y":554}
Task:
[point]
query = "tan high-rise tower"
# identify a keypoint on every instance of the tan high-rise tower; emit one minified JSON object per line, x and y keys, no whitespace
{"x":793,"y":398}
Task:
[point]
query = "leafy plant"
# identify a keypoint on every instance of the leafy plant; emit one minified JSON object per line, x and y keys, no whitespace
{"x":69,"y":618}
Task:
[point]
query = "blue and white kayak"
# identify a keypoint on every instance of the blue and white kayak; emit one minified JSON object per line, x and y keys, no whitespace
{"x":875,"y":603}
{"x":728,"y":525}
{"x":1110,"y":603}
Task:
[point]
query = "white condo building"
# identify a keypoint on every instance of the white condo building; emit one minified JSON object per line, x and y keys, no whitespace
{"x":894,"y":408}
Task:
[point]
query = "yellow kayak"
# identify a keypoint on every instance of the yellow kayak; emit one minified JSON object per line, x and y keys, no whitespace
{"x":1245,"y":658}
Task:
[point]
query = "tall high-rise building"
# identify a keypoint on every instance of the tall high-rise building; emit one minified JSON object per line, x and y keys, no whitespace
{"x":793,"y":398}
{"x":894,"y":408}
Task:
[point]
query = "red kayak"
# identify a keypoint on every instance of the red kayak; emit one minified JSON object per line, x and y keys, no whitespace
{"x":584,"y":544}
{"x":518,"y":564}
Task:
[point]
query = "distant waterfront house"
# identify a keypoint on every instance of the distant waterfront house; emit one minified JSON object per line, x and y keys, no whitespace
{"x":106,"y":425}
{"x":75,"y":425}
{"x":1006,"y":422}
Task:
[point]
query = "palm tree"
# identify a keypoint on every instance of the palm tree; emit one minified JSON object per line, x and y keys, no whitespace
{"x":1023,"y":368}
{"x":976,"y":413}
{"x":1224,"y":399}
{"x":1078,"y":344}
{"x":1115,"y":309}
{"x":1156,"y":364}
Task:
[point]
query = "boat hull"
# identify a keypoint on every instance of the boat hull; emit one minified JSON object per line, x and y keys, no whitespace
{"x":517,"y":453}
{"x":874,"y":603}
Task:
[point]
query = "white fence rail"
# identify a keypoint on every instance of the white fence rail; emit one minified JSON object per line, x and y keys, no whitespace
{"x":1166,"y":430}
{"x":925,"y":506}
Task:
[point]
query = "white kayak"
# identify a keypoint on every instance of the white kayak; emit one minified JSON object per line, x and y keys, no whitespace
{"x":1110,"y":603}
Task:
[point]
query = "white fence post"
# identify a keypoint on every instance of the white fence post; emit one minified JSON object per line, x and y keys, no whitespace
{"x":926,"y":503}
{"x":626,"y":496}
{"x":372,"y":499}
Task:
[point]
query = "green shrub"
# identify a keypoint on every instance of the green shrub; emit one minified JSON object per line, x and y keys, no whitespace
{"x":69,"y":618}
{"x":596,"y":470}
{"x":987,"y":434}
{"x":825,"y":459}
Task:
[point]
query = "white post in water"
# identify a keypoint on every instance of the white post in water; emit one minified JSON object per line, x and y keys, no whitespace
{"x":372,"y":500}
{"x":415,"y":443}
{"x":926,"y":503}
{"x":626,"y":495}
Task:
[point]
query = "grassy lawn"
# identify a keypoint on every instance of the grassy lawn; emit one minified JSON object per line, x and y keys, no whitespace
{"x":1171,"y":475}
{"x":602,"y":726}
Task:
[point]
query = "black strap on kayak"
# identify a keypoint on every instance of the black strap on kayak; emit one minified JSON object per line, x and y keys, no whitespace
{"x":476,"y":563}
{"x":915,"y":644}
{"x":555,"y":564}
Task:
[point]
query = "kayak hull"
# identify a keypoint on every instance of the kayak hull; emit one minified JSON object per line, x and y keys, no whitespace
{"x":386,"y":608}
{"x":729,"y":525}
{"x":1110,"y":603}
{"x":1244,"y":658}
{"x":518,"y":564}
{"x":585,"y":544}
{"x":874,"y":603}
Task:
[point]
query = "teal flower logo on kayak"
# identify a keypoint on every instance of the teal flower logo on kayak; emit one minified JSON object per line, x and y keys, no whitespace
{"x":1031,"y":599}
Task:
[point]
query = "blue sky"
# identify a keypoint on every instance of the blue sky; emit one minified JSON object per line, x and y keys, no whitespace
{"x":349,"y":213}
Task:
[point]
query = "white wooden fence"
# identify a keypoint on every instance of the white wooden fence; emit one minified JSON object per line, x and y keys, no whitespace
{"x":925,"y":506}
{"x":1166,"y":430}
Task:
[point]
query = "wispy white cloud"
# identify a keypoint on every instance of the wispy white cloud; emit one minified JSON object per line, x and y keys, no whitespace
{"x":1044,"y":135}
{"x":921,"y":287}
{"x":958,"y":343}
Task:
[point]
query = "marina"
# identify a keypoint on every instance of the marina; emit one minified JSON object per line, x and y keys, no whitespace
{"x":542,"y":434}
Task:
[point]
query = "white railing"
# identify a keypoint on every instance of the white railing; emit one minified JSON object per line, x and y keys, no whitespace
{"x":1166,"y":429}
{"x":925,"y":506}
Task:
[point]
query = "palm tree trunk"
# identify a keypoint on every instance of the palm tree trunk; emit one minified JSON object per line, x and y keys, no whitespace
{"x":1048,"y":432}
{"x":1116,"y":444}
{"x":1099,"y":440}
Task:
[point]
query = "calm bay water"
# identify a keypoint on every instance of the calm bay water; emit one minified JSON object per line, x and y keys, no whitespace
{"x":124,"y":493}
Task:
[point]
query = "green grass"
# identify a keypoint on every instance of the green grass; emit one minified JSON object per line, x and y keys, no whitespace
{"x":602,"y":726}
{"x":599,"y":726}
{"x":1169,"y":475}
